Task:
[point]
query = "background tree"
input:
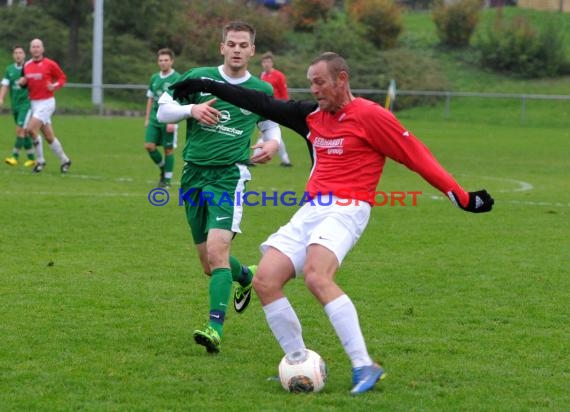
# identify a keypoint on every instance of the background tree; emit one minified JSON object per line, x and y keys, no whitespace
{"x":382,"y":19}
{"x":21,"y":24}
{"x":307,"y":13}
{"x":75,"y":15}
{"x":456,"y":22}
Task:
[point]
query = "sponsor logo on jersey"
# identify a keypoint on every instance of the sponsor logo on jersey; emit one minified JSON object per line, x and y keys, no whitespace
{"x":34,"y":76}
{"x":333,"y":146}
{"x":225,"y":116}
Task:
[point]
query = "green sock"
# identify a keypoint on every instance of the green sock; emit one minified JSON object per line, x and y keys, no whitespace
{"x":155,"y":156}
{"x":220,"y":292}
{"x":29,"y":147}
{"x":17,"y":146}
{"x":240,"y":273}
{"x":168,"y":166}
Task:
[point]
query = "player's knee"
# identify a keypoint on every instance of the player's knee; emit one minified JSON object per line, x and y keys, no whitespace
{"x":150,"y":147}
{"x":314,"y":280}
{"x":263,"y":285}
{"x":217,"y":256}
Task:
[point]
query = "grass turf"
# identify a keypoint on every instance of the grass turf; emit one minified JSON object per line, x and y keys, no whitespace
{"x":101,"y":291}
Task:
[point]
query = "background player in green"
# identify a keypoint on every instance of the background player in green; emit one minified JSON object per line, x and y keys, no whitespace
{"x":160,"y":134}
{"x":20,"y":107}
{"x":216,"y":157}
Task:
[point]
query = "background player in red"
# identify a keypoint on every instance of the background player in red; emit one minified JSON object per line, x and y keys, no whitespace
{"x":42,"y":76}
{"x":351,"y":138}
{"x":279,"y":82}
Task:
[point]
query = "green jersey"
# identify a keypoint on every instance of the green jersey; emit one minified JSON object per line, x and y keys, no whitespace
{"x":18,"y":95}
{"x":228,"y":142}
{"x":158,"y":85}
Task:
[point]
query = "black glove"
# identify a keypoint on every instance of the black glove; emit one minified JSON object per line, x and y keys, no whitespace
{"x":22,"y":75}
{"x":185,"y":88}
{"x":479,"y":202}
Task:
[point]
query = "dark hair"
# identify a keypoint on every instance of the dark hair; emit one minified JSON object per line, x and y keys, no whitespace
{"x":335,"y":63}
{"x":239,"y":26}
{"x":167,"y":51}
{"x":18,"y":46}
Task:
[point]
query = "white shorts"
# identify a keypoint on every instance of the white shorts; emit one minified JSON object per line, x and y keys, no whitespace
{"x":43,"y":109}
{"x":336,"y":227}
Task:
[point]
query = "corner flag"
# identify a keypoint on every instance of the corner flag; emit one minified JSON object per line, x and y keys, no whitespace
{"x":390,"y":95}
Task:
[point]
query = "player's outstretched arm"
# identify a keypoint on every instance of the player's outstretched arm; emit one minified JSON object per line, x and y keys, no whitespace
{"x":290,"y":113}
{"x":170,"y":111}
{"x":479,"y":201}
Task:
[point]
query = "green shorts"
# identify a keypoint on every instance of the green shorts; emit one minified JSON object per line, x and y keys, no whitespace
{"x":22,"y":115}
{"x":213,"y":198}
{"x":156,"y":133}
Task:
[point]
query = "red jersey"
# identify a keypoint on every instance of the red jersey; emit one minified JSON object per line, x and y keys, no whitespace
{"x":279,"y":82}
{"x":351,"y":146}
{"x":40,"y":74}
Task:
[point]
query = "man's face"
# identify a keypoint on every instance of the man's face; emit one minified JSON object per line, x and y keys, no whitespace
{"x":36,"y":49}
{"x":325,"y":89}
{"x":19,"y":56}
{"x":237,"y":50}
{"x":267,"y":64}
{"x":165,"y":63}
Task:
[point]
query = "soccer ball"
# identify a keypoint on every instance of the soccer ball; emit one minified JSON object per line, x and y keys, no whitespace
{"x":302,"y":371}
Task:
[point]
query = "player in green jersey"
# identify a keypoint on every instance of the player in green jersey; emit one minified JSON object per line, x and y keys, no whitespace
{"x":216,"y":156}
{"x":20,"y":107}
{"x":160,"y":134}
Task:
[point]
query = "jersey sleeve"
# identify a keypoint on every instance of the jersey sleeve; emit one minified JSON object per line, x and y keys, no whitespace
{"x":387,"y":135}
{"x":291,"y":114}
{"x":283,"y":92}
{"x":171,"y":111}
{"x":190,"y":74}
{"x":6,"y":78}
{"x":149,"y":93}
{"x":58,"y":76}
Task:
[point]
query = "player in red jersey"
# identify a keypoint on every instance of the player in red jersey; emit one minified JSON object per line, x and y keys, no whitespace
{"x":350,"y":138}
{"x":274,"y":77}
{"x":277,"y":79}
{"x":42,"y":76}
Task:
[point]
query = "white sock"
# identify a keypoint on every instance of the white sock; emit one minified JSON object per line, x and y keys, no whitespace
{"x":57,"y":148}
{"x":283,"y":153}
{"x":39,"y":147}
{"x":343,"y":316}
{"x":168,"y":175}
{"x":285,"y":325}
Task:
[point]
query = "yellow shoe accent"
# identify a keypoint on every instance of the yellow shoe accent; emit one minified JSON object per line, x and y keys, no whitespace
{"x":12,"y":161}
{"x":30,"y":163}
{"x":208,"y":338}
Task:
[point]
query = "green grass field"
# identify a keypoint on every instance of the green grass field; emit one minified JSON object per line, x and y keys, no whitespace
{"x":101,"y":291}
